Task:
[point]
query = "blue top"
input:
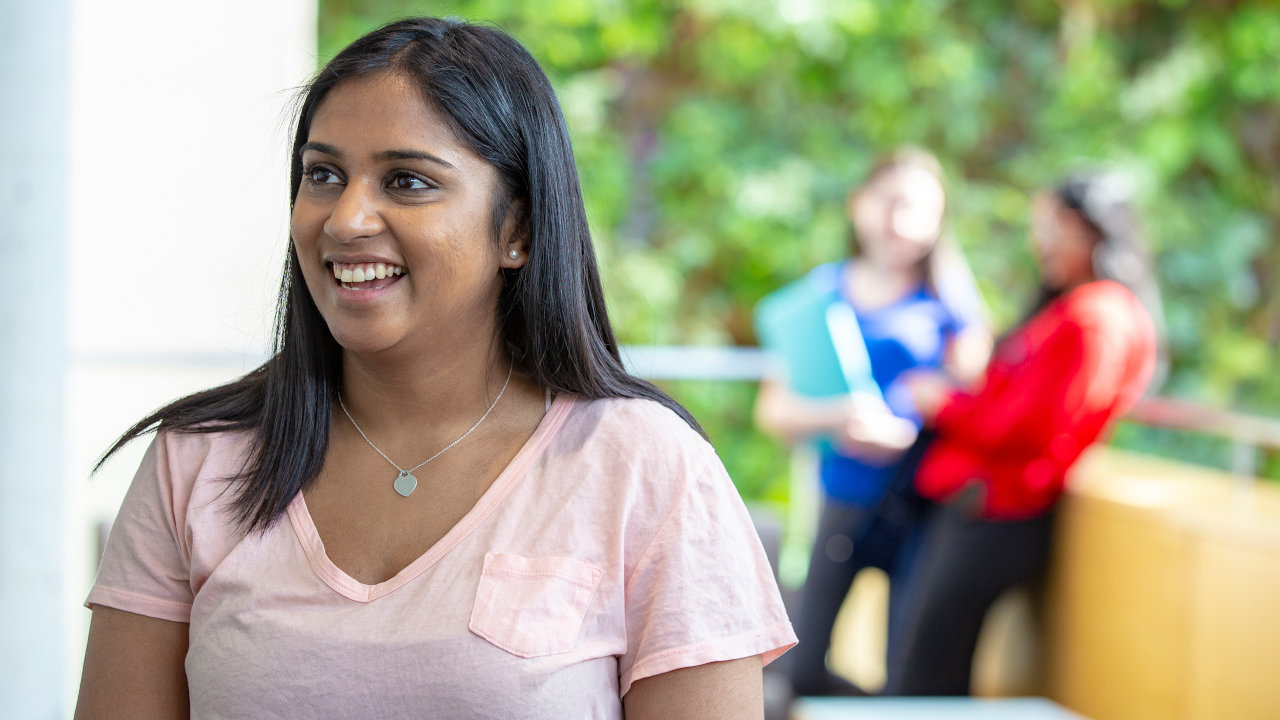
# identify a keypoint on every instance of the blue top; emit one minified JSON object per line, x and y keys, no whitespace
{"x":908,"y":334}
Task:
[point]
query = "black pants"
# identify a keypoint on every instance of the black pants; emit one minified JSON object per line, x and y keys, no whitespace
{"x":832,"y":566}
{"x":963,"y":565}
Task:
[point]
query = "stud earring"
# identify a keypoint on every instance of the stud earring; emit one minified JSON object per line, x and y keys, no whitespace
{"x":514,"y":254}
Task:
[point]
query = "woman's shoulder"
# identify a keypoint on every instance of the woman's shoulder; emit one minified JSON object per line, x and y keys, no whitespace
{"x":206,"y":440}
{"x":187,"y":457}
{"x":634,"y":430}
{"x":828,"y":277}
{"x":1099,"y":291}
{"x":1103,"y":304}
{"x":636,"y":419}
{"x":1108,"y":315}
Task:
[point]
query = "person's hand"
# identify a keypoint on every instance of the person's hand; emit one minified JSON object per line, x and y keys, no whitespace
{"x":872,"y":433}
{"x":929,"y":392}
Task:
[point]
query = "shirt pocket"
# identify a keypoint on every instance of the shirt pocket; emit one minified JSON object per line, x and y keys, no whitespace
{"x":532,"y":607}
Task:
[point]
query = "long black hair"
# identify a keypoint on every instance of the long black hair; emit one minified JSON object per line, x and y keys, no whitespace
{"x":551,"y":311}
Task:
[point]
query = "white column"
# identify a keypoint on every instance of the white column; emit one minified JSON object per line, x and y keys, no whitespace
{"x":177,"y":222}
{"x":33,"y":239}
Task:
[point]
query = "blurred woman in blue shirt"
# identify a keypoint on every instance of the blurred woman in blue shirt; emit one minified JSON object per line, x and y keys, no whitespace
{"x":917,"y":309}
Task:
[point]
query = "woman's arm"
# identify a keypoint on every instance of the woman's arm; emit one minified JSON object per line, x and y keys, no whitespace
{"x":793,"y":418}
{"x":861,"y":426}
{"x":1067,"y":377}
{"x":967,"y":354}
{"x":133,"y":668}
{"x":731,"y":690}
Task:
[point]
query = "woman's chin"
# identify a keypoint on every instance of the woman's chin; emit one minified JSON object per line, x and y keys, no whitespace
{"x":363,"y":343}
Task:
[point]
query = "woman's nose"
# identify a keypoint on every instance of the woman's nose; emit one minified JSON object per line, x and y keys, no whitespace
{"x":355,"y":215}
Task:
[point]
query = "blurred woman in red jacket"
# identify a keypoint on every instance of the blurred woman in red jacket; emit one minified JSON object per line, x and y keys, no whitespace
{"x":1002,"y":449}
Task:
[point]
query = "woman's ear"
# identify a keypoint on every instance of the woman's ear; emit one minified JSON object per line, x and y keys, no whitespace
{"x":515,"y":236}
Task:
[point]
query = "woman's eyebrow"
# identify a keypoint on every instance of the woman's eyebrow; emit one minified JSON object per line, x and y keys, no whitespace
{"x":383,"y":156}
{"x":320,"y":148}
{"x":411,"y":155}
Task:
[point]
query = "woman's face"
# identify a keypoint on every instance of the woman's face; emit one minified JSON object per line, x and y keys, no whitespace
{"x":898,"y":215}
{"x":1063,"y":243}
{"x":389,"y":194}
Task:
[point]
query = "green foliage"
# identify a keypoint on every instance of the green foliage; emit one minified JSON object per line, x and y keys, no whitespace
{"x":717,"y":141}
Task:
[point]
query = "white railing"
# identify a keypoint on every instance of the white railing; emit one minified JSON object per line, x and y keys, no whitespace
{"x":1248,"y":434}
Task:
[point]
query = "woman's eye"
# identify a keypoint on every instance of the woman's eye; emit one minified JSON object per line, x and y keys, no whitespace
{"x":321,"y":176}
{"x":409,"y":182}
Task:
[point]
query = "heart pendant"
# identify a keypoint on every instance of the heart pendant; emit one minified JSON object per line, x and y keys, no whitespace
{"x":405,"y":483}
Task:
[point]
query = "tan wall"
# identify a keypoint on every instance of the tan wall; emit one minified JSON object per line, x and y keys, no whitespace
{"x":1164,"y":597}
{"x":1163,"y":601}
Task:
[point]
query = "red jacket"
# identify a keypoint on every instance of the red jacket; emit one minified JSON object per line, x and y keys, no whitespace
{"x":1051,"y":389}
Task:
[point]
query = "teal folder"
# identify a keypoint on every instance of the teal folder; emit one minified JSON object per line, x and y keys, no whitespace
{"x":814,"y":336}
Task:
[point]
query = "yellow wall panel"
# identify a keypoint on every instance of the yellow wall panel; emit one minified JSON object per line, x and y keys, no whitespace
{"x":1116,"y":630}
{"x":1164,"y":594}
{"x":1235,"y":638}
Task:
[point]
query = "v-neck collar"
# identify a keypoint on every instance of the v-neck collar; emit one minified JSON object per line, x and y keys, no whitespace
{"x":343,"y":584}
{"x":843,"y":291}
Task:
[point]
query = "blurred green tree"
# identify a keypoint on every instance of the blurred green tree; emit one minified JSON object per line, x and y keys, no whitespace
{"x":717,"y":139}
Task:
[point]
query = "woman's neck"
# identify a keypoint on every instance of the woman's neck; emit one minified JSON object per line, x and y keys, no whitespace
{"x":430,"y":393}
{"x":1072,"y":282}
{"x":872,"y":285}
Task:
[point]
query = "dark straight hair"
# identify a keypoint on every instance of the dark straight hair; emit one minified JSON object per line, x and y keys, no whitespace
{"x":551,"y":312}
{"x":1105,"y":201}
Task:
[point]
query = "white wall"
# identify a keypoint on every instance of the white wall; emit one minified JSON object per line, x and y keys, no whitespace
{"x":177,"y":225}
{"x":33,"y":111}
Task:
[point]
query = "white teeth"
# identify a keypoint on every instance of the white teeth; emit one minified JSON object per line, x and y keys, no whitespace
{"x":364,"y":272}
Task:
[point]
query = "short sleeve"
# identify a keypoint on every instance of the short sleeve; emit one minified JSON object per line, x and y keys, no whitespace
{"x":146,"y":566}
{"x":703,"y":591}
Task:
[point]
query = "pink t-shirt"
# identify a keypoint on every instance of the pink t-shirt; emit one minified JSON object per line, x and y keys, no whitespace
{"x":614,"y":547}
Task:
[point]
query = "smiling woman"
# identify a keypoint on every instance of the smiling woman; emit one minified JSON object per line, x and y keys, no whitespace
{"x":442,"y":496}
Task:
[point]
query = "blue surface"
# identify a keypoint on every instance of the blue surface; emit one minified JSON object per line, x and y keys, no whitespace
{"x":929,"y":709}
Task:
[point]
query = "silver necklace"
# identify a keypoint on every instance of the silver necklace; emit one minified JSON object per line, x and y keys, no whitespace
{"x":406,"y":482}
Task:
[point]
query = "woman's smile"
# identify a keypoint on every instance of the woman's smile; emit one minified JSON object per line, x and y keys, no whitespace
{"x":362,"y":282}
{"x":363,"y":274}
